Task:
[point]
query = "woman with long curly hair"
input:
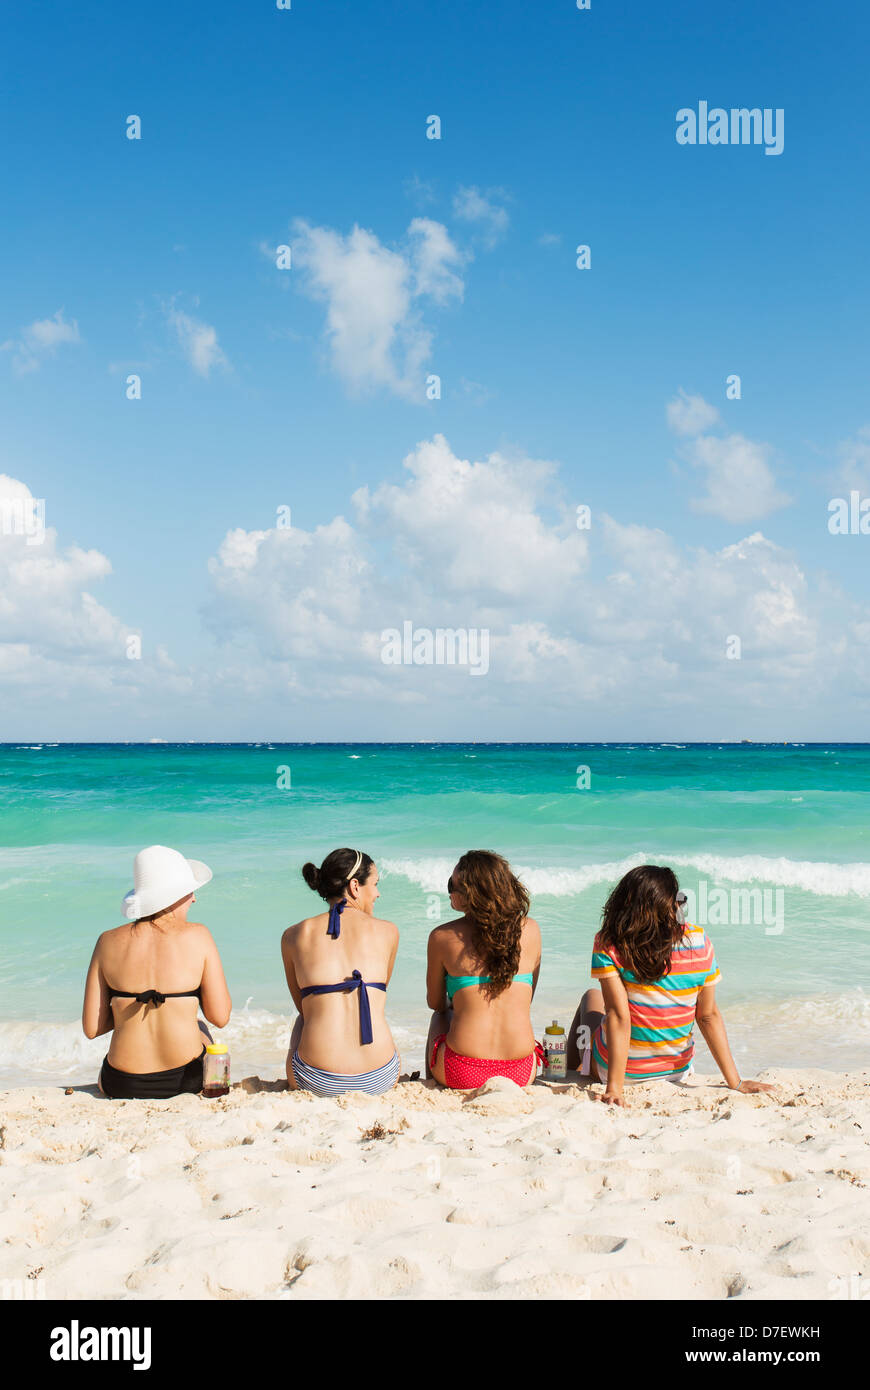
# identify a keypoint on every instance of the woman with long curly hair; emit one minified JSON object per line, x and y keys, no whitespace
{"x":482,"y":973}
{"x":658,"y":975}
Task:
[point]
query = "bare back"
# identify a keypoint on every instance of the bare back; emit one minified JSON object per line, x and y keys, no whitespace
{"x":167,"y":957}
{"x":483,"y":1025}
{"x":331,"y":1029}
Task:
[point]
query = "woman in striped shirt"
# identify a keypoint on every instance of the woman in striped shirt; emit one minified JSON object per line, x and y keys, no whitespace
{"x":658,"y":975}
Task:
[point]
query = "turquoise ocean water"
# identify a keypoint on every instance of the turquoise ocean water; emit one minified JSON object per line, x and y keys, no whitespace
{"x":773,"y":842}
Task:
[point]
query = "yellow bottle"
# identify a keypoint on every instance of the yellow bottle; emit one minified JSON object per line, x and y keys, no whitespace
{"x":555,"y":1053}
{"x":216,"y":1071}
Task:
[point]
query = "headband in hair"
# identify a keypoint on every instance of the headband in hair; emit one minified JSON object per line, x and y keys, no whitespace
{"x":334,"y":926}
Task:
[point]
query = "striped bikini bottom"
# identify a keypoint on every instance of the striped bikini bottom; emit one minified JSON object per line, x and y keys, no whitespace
{"x":335,"y":1083}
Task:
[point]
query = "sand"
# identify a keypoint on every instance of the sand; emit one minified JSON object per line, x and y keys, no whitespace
{"x":691,"y":1191}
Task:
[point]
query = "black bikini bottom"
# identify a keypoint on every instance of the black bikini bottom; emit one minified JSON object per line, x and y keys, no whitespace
{"x":152,"y":1085}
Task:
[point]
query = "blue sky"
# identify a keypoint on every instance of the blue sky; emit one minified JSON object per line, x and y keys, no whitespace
{"x":263,"y":387}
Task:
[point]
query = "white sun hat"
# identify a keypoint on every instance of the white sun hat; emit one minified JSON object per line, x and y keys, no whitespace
{"x":162,"y":877}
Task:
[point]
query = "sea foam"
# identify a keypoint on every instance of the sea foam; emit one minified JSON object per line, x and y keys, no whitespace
{"x":834,"y":1031}
{"x":818,"y":877}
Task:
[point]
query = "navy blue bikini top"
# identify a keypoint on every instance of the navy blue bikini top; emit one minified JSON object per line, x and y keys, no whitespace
{"x":356,"y":982}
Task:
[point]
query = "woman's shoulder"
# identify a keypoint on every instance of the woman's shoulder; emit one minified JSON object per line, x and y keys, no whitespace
{"x":384,"y":925}
{"x":455,"y":931}
{"x":300,"y":929}
{"x":694,"y":939}
{"x":111,"y":937}
{"x":197,"y":931}
{"x":600,"y":948}
{"x":693,"y":936}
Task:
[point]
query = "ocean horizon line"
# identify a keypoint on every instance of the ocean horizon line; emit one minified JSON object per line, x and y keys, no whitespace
{"x":34,"y":744}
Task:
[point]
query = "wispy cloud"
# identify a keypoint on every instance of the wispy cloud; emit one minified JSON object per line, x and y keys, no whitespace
{"x":198,"y":342}
{"x":691,"y":414}
{"x":40,"y":340}
{"x":420,"y":191}
{"x":472,"y":205}
{"x":854,"y":456}
{"x":433,"y":258}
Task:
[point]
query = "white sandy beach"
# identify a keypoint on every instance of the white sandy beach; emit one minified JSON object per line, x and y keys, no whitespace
{"x":691,"y":1191}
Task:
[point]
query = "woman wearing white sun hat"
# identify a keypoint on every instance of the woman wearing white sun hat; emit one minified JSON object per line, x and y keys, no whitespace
{"x":146,"y":977}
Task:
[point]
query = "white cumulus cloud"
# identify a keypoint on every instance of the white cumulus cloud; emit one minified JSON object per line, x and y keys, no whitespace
{"x":622,"y":627}
{"x":741,"y":485}
{"x":476,"y":524}
{"x":374,"y":299}
{"x":59,"y":645}
{"x":623,"y":618}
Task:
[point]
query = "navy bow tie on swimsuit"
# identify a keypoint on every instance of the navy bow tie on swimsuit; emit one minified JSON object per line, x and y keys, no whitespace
{"x":334,"y":927}
{"x":365,"y":1011}
{"x":357,"y":982}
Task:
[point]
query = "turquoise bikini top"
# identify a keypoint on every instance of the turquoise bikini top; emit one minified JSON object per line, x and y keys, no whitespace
{"x":455,"y":982}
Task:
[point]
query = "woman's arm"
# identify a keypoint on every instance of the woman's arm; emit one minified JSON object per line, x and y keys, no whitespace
{"x":436,"y":979}
{"x":712,"y":1026}
{"x":216,"y":1002}
{"x":618,"y":1029}
{"x":531,"y":923}
{"x":395,"y":951}
{"x":96,"y":1009}
{"x":289,"y":968}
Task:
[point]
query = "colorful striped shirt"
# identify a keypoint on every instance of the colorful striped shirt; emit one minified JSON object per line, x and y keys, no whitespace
{"x":663,"y":1012}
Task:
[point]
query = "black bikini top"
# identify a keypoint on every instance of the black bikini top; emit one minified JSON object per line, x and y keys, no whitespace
{"x":153,"y":996}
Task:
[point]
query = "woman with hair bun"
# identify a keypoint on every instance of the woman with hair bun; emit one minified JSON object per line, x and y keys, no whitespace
{"x":482,"y":974}
{"x":338,"y":965}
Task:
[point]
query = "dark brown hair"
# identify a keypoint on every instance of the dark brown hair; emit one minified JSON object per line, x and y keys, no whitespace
{"x":640,"y":922}
{"x":497,"y":905}
{"x":331,"y":879}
